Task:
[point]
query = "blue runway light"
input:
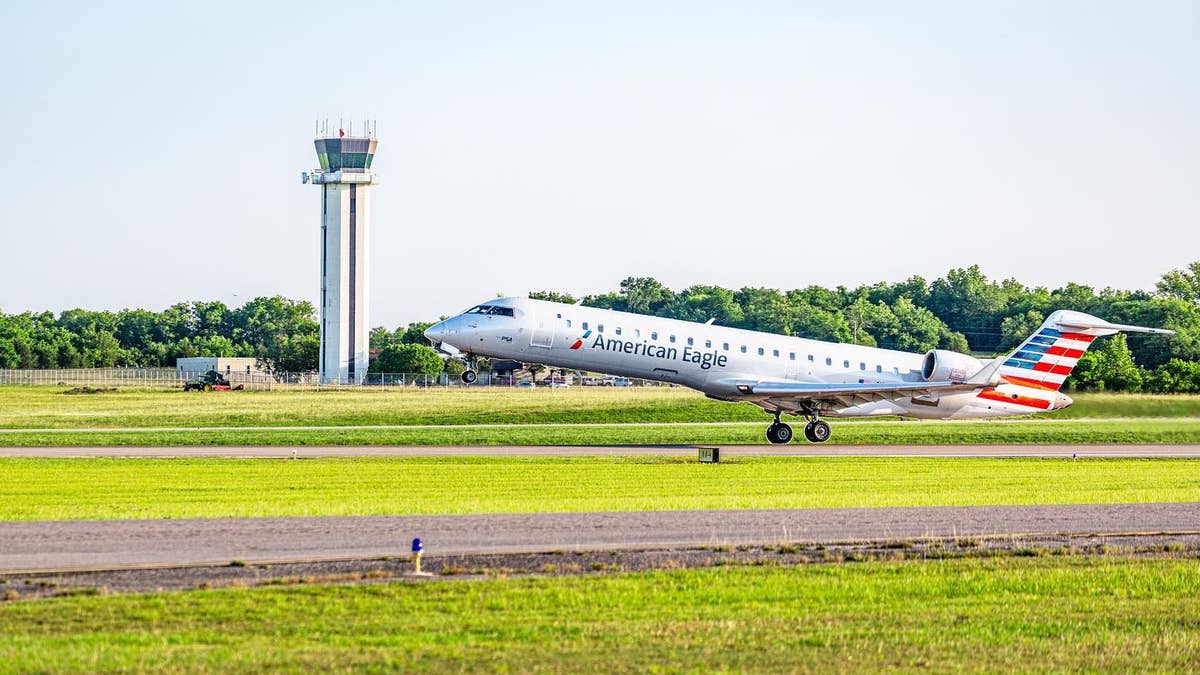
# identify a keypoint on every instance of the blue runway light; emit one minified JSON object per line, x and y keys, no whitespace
{"x":416,"y":546}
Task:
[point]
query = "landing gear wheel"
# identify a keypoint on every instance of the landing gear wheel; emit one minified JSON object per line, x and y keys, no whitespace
{"x":779,"y":433}
{"x":469,"y":376}
{"x":817,"y":431}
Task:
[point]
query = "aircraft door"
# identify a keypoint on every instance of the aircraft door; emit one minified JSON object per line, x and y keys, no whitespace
{"x":544,"y":328}
{"x":794,"y":370}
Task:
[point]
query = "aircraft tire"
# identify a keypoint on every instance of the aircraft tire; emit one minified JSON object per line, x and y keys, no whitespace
{"x":469,"y":376}
{"x":817,"y":432}
{"x":779,"y":433}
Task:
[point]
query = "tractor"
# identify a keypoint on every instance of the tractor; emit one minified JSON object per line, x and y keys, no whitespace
{"x":212,"y":381}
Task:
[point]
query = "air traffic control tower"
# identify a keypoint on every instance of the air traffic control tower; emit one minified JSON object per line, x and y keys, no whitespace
{"x":345,"y":178}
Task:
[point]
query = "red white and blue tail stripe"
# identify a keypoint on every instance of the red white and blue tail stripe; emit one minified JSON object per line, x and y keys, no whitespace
{"x":1046,"y":359}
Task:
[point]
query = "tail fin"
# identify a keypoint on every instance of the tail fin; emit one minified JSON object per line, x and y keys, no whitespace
{"x":1047,"y":357}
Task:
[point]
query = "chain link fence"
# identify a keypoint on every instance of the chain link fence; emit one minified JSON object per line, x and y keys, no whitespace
{"x":170,"y":378}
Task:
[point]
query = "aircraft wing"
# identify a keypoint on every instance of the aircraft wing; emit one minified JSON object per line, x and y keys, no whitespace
{"x":846,"y":395}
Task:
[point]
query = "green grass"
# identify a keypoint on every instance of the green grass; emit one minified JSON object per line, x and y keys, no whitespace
{"x":49,"y":408}
{"x":996,"y":615}
{"x":639,"y":416}
{"x":845,"y":432}
{"x":57,"y":489}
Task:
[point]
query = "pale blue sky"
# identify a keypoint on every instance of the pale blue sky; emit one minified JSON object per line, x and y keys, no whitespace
{"x":154,"y":150}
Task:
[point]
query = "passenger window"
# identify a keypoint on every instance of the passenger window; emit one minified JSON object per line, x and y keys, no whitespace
{"x":845,"y":364}
{"x":895,"y":370}
{"x":828,"y":361}
{"x":775,"y":353}
{"x":637,"y":332}
{"x":708,"y":344}
{"x":585,"y":325}
{"x":810,"y":358}
{"x":560,"y":316}
{"x":862,"y":365}
{"x":618,"y":331}
{"x":568,"y":323}
{"x":743,"y":349}
{"x":690,"y":343}
{"x":879,"y":369}
{"x":654,"y":335}
{"x":792,"y":356}
{"x":725,"y":346}
{"x":672,"y":339}
{"x":599,"y":328}
{"x":760,"y":351}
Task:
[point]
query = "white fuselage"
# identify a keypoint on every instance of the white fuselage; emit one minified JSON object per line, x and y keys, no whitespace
{"x":709,"y":358}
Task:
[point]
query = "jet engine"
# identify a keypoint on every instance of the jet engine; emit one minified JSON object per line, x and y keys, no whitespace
{"x":941,"y":365}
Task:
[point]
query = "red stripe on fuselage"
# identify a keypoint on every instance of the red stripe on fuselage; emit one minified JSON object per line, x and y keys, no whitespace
{"x":1028,"y":401}
{"x":1026,"y":382}
{"x":1063,"y":351}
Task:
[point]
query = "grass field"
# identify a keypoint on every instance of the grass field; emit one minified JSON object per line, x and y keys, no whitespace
{"x":636,"y":416}
{"x":62,"y":489}
{"x":49,"y":407}
{"x":998,"y":615}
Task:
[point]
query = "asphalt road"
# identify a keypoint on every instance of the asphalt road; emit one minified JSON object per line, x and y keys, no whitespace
{"x":64,"y":545}
{"x":796,"y":449}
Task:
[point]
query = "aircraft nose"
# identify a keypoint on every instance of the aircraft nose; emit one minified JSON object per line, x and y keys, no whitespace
{"x":435,"y":332}
{"x":1062,"y":401}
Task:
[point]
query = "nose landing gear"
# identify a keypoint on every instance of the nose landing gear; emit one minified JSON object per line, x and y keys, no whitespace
{"x":470,"y":375}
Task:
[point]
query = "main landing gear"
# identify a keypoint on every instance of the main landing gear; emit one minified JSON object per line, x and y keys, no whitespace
{"x":816,"y":430}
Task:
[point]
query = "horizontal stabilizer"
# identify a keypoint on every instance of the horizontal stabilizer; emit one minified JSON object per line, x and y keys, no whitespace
{"x":1076,"y":324}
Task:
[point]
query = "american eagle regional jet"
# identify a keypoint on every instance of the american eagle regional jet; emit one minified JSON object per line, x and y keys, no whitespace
{"x":782,"y":375}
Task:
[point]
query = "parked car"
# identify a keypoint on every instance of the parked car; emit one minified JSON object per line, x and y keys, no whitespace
{"x":525,"y":384}
{"x":618,"y":382}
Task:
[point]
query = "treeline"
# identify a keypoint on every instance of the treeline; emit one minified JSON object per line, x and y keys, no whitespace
{"x":282,"y":333}
{"x":963,"y":311}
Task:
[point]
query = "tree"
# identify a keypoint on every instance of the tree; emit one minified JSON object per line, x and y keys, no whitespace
{"x":553,"y":296}
{"x":701,"y":303}
{"x":1181,"y":284}
{"x":407,"y":358}
{"x":414,"y":333}
{"x":764,"y":309}
{"x":282,"y":333}
{"x":644,"y":295}
{"x":1017,"y":327}
{"x":534,"y":369}
{"x":1109,"y":366}
{"x":1175,"y":376}
{"x":379,"y":337}
{"x":916,"y":329}
{"x":865,"y":318}
{"x":970,"y":304}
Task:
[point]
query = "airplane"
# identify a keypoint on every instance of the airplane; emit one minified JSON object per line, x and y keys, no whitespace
{"x":782,"y":375}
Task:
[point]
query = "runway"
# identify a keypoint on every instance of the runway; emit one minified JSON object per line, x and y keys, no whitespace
{"x":727,"y":451}
{"x":68,"y":545}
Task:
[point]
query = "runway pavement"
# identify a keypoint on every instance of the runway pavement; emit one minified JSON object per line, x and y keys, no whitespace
{"x":64,"y":545}
{"x":792,"y":450}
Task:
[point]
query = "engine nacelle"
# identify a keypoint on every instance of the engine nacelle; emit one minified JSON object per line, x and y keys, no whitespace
{"x":941,"y":365}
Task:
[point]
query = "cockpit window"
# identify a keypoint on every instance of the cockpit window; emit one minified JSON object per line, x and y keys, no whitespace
{"x":490,"y":309}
